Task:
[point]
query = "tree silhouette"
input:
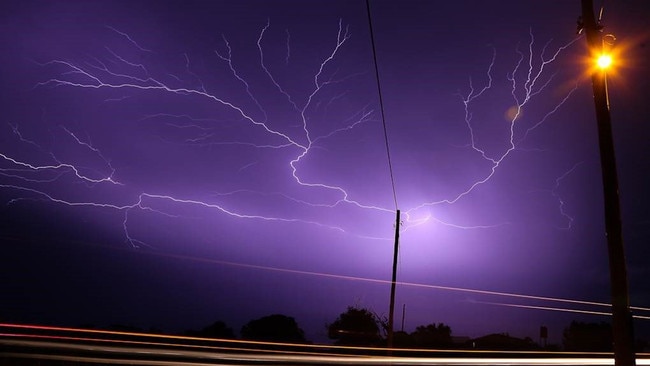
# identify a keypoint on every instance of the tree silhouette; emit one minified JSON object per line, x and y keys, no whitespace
{"x":356,"y":326}
{"x":432,"y":335}
{"x":402,"y":339}
{"x":218,"y":329}
{"x":503,"y":341}
{"x":273,"y":328}
{"x":590,"y":337}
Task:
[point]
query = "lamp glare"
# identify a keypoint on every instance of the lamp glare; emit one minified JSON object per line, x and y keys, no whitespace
{"x":604,"y":61}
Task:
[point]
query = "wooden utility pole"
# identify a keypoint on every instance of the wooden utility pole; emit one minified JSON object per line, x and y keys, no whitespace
{"x":391,"y":311}
{"x":621,"y":316}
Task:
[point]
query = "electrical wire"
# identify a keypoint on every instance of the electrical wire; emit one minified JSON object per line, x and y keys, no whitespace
{"x":381,"y":104}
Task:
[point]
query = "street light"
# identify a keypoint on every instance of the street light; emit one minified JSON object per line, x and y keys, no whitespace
{"x":604,"y":61}
{"x":621,"y":316}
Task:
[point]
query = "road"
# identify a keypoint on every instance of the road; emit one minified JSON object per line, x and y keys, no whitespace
{"x":30,"y":345}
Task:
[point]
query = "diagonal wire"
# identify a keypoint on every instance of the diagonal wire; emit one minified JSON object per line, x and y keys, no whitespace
{"x":381,"y":103}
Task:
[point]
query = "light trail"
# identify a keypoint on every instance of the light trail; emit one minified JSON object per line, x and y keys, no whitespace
{"x":161,"y":355}
{"x":160,"y":340}
{"x":566,"y":310}
{"x":422,"y":285}
{"x":436,"y":287}
{"x":401,"y":283}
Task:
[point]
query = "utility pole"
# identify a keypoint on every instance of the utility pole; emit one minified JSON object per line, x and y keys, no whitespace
{"x":621,"y":316}
{"x":391,"y":311}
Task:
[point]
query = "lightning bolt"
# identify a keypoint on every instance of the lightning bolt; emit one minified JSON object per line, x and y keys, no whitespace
{"x":125,"y":35}
{"x":116,"y":72}
{"x":523,"y":90}
{"x":57,"y":166}
{"x":561,"y":202}
{"x":113,"y":72}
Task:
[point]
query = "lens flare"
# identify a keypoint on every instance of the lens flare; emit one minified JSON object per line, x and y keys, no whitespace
{"x":604,"y":61}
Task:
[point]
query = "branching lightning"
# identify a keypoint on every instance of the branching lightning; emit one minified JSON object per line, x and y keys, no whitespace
{"x":151,"y":156}
{"x":561,"y":202}
{"x":117,"y":73}
{"x":99,"y":74}
{"x":522,"y":93}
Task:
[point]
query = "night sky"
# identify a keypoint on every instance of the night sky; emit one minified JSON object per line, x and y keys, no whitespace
{"x":168,"y":164}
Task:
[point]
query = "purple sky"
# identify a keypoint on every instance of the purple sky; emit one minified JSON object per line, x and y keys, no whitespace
{"x":171,"y":164}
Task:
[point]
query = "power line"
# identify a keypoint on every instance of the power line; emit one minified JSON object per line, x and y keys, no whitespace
{"x":392,"y":181}
{"x":381,"y":103}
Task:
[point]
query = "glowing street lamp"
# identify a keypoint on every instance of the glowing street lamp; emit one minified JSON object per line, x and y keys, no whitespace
{"x":604,"y":61}
{"x":621,"y":316}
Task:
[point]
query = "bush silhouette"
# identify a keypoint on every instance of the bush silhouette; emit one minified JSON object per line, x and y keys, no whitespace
{"x":356,"y":326}
{"x":273,"y":328}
